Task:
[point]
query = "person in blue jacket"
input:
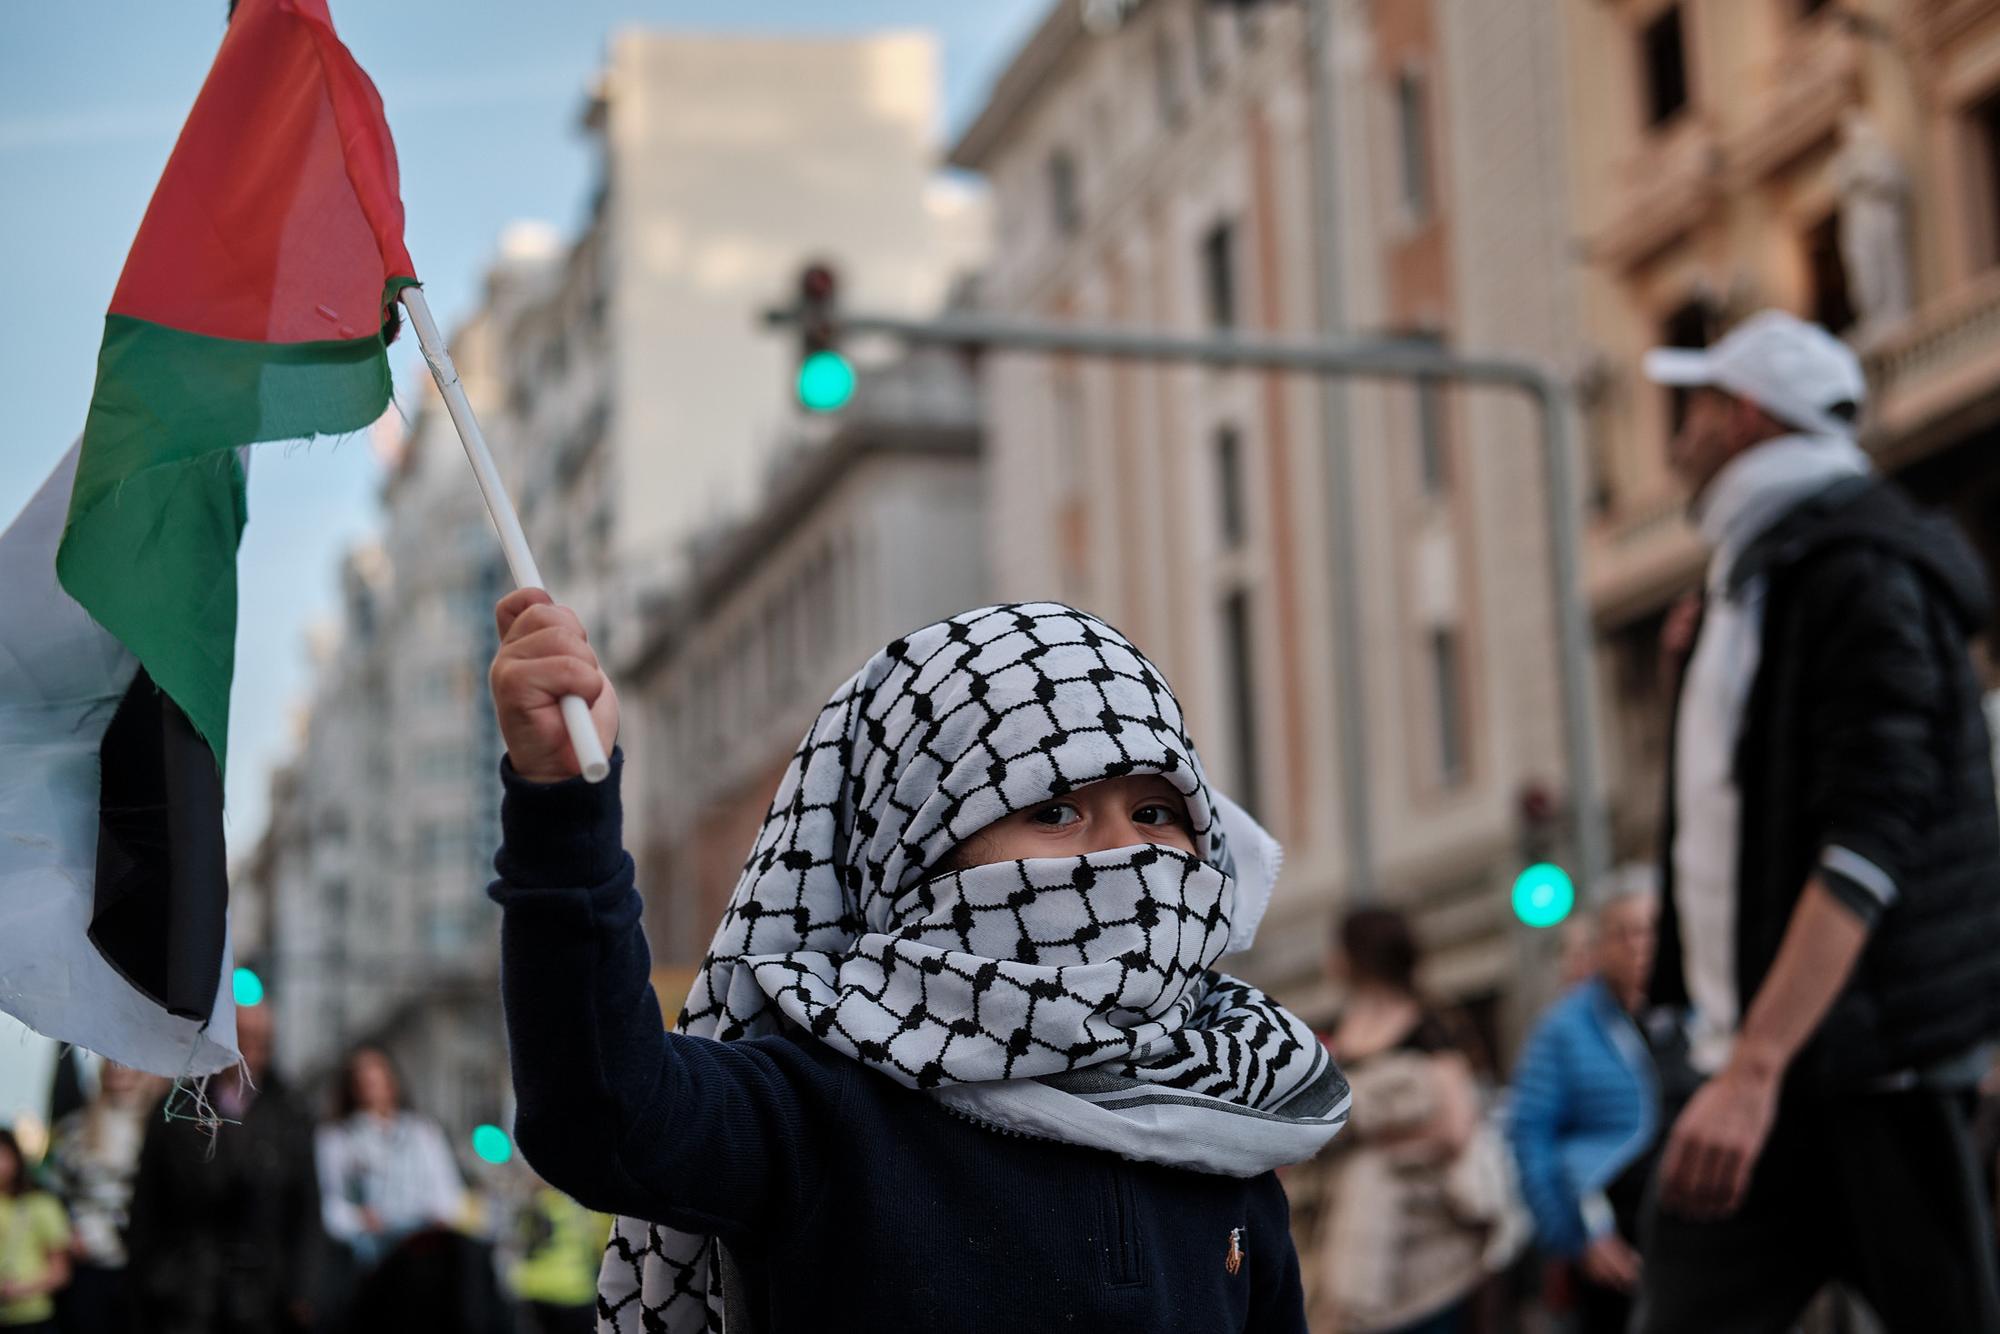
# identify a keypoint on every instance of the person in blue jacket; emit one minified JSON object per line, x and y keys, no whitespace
{"x":1585,"y":1117}
{"x":957,"y":1057}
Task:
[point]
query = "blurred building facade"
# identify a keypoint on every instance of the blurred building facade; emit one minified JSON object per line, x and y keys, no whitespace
{"x":1162,"y":174}
{"x":1838,"y":160}
{"x":373,"y":868}
{"x":643,"y":395}
{"x":871,"y":524}
{"x":647,"y":396}
{"x":641,"y":417}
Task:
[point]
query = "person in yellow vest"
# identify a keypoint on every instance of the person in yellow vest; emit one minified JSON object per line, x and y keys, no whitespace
{"x":555,"y":1278}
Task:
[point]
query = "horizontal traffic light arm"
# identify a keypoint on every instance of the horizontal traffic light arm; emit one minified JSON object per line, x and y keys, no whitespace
{"x":1399,"y":359}
{"x":1389,"y":359}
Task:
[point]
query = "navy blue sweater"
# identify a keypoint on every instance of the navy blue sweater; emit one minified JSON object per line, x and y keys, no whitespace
{"x":848,"y":1201}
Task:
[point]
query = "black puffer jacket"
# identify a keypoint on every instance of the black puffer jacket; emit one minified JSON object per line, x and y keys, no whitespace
{"x":1865,"y":760}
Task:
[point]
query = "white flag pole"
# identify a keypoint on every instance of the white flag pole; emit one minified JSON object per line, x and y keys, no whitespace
{"x":576,"y":714}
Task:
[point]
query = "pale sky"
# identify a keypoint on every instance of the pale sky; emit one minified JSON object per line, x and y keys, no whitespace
{"x":483,"y":100}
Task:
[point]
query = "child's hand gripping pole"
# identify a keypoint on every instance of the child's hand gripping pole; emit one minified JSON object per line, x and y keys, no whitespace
{"x":520,"y":561}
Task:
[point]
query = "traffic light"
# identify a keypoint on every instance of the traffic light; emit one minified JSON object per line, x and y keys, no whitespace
{"x":1543,"y":892}
{"x":247,"y":987}
{"x":826,"y":377}
{"x":1543,"y":895}
{"x":492,"y":1144}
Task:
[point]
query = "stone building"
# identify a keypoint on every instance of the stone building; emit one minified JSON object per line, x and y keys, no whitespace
{"x":1163,"y":174}
{"x":1836,"y":160}
{"x":870,"y":525}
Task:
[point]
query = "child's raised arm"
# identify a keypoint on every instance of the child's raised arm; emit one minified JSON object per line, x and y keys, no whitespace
{"x":611,"y":1109}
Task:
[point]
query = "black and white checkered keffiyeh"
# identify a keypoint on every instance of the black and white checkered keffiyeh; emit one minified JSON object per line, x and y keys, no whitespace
{"x":1070,"y":999}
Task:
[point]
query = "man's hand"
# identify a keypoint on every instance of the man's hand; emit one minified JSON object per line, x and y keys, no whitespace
{"x":544,"y":655}
{"x":1610,"y":1263}
{"x":1677,"y":635}
{"x":1716,"y":1141}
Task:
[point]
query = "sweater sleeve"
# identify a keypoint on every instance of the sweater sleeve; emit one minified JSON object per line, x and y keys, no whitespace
{"x":1533,"y":1125}
{"x":610,"y":1108}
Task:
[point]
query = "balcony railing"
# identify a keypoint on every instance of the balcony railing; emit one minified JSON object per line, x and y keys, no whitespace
{"x":1941,"y":362}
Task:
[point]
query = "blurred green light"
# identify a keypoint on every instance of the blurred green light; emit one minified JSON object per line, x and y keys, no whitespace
{"x":826,"y":382}
{"x":1543,"y":895}
{"x":248,"y":987}
{"x":490,"y":1142}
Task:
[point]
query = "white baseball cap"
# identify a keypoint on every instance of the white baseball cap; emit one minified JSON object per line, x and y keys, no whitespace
{"x":1797,"y":372}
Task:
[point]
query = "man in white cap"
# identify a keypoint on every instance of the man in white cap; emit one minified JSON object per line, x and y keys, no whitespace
{"x":1831,"y":905}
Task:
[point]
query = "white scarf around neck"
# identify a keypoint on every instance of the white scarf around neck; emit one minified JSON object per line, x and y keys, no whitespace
{"x":1752,"y":493}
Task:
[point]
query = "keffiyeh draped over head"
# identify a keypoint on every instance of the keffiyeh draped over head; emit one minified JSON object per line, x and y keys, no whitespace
{"x":1065,"y":998}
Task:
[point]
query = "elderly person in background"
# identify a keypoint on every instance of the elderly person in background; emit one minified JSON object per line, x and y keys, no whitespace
{"x":1586,"y":1115}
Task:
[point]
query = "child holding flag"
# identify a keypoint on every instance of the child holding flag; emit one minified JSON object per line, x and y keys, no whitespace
{"x":957,"y":1057}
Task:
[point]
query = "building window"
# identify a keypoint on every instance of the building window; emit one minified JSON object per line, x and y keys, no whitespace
{"x":1218,"y":266}
{"x":441,"y":845}
{"x":1447,"y":690}
{"x":442,"y":685}
{"x":1167,"y":78}
{"x":1241,"y":678}
{"x":1249,"y":25}
{"x":441,"y":763}
{"x":1601,"y":492}
{"x":1985,"y":194}
{"x":1664,"y":51}
{"x":782,"y":655}
{"x":1686,"y":327}
{"x":1207,"y":58}
{"x":1413,"y":143}
{"x":1433,"y":450}
{"x":1069,"y":432}
{"x":1826,"y":271}
{"x":1063,"y":200}
{"x":1229,"y":486}
{"x":1433,"y":431}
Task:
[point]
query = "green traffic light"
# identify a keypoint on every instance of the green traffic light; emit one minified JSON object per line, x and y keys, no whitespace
{"x":247,"y":987}
{"x":826,"y":382}
{"x":1543,"y":895}
{"x":490,"y":1142}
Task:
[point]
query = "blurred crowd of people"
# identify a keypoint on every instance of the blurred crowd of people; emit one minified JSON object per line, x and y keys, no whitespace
{"x":1763,"y":1082}
{"x":153,"y":1212}
{"x":1460,"y":1203}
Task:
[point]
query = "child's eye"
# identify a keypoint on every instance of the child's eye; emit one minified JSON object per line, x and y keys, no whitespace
{"x":1160,"y":813}
{"x":1058,"y":816}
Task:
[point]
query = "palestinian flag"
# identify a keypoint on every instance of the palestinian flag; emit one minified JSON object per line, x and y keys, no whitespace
{"x":255,"y":305}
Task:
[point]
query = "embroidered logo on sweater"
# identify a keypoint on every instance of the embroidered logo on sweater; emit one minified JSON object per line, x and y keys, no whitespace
{"x":1233,"y":1262}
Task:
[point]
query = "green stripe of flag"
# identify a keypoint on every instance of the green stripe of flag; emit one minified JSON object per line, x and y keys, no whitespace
{"x":158,"y":509}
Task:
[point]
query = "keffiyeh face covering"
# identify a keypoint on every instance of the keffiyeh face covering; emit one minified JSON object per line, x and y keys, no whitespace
{"x":1069,"y":999}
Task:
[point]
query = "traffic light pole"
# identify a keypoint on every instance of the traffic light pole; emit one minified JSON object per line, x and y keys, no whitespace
{"x":1381,"y":359}
{"x":1344,"y":542}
